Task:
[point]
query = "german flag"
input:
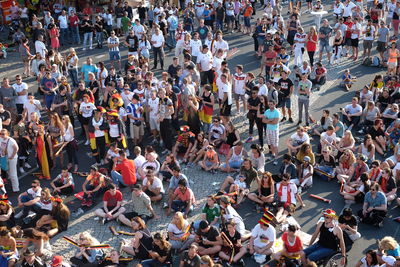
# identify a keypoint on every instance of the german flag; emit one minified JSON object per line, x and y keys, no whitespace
{"x":42,"y":153}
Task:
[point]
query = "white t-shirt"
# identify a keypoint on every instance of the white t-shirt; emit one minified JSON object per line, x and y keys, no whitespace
{"x":217,"y":63}
{"x":18,"y":89}
{"x":369,"y":32}
{"x":63,"y":22}
{"x":6,"y":146}
{"x":98,"y":133}
{"x":115,"y":40}
{"x":156,"y":184}
{"x":138,"y":30}
{"x":299,"y":39}
{"x":153,"y":104}
{"x":347,"y":9}
{"x":34,"y":107}
{"x":205,"y":61}
{"x":263,"y":90}
{"x":338,"y":8}
{"x":297,"y":140}
{"x":176,"y":231}
{"x":263,"y":237}
{"x":126,"y":97}
{"x":239,"y":81}
{"x":87,"y":109}
{"x":353,"y":110}
{"x":40,"y":48}
{"x":33,"y":193}
{"x":158,"y":39}
{"x":355,"y":35}
{"x":221,"y":45}
{"x":227,"y":88}
{"x":293,"y":190}
{"x":328,"y":138}
{"x":195,"y":46}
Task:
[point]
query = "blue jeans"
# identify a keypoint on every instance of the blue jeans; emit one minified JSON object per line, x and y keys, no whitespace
{"x":325,"y":169}
{"x":179,"y":205}
{"x":49,"y":100}
{"x":220,"y":24}
{"x":64,"y":36}
{"x":73,"y":73}
{"x":153,"y":263}
{"x":171,"y":39}
{"x":74,"y":32}
{"x":99,"y":38}
{"x":87,"y":40}
{"x":117,"y":178}
{"x":35,"y":207}
{"x":317,"y":252}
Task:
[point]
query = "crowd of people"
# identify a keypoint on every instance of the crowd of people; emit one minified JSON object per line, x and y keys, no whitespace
{"x":144,"y":130}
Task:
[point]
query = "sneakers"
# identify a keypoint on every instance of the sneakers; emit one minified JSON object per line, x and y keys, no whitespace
{"x":102,"y":162}
{"x":300,"y":122}
{"x":283,"y":119}
{"x":21,"y":170}
{"x":103,"y":221}
{"x":26,"y":165}
{"x":290,"y":120}
{"x":165,"y":205}
{"x":275,"y":162}
{"x":87,"y":143}
{"x":249,"y":139}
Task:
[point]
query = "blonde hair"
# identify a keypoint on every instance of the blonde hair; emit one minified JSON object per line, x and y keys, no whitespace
{"x":207,"y":259}
{"x":388,"y":243}
{"x":181,"y":223}
{"x":87,"y":236}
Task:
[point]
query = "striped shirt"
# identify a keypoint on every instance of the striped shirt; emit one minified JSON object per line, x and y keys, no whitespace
{"x":111,"y":40}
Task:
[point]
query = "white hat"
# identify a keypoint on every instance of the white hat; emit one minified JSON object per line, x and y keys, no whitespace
{"x":389,"y":260}
{"x":170,"y":12}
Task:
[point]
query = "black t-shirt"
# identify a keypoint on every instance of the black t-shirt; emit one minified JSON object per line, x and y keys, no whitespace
{"x":173,"y":70}
{"x":5,"y":115}
{"x":119,"y":12}
{"x":188,"y":262}
{"x":374,"y":132}
{"x":352,"y":222}
{"x":210,"y":235}
{"x":384,"y":102}
{"x":173,"y":98}
{"x":133,"y":42}
{"x":87,"y":28}
{"x":142,"y":12}
{"x":253,"y":103}
{"x":285,"y":85}
{"x":390,"y":184}
{"x":62,"y":223}
{"x":234,"y":239}
{"x":163,"y":252}
{"x":92,"y":85}
{"x":99,"y":25}
{"x":330,"y":163}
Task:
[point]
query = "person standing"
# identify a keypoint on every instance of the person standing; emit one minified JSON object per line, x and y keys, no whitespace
{"x":113,"y":50}
{"x":63,"y":20}
{"x":21,"y":88}
{"x":9,"y":150}
{"x":8,"y":97}
{"x":305,"y":86}
{"x":99,"y":26}
{"x":40,"y":46}
{"x":166,"y":109}
{"x":325,"y":32}
{"x":72,"y":63}
{"x":271,"y":118}
{"x":87,"y":28}
{"x":369,"y":35}
{"x":355,"y":35}
{"x":157,"y":40}
{"x":74,"y":28}
{"x":225,"y":87}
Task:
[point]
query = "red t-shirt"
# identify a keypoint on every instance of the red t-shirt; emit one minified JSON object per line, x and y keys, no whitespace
{"x":312,"y":47}
{"x":348,"y":30}
{"x":128,"y":171}
{"x":73,"y":21}
{"x":269,"y":58}
{"x":296,"y":246}
{"x":112,"y":200}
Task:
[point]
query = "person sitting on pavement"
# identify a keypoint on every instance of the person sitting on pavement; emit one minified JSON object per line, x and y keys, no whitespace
{"x":375,"y":206}
{"x":139,"y":245}
{"x":355,"y":192}
{"x":217,"y":132}
{"x":229,"y":213}
{"x":63,"y":184}
{"x":330,"y":240}
{"x":179,"y":232}
{"x":208,"y":239}
{"x":38,"y":240}
{"x":30,"y":259}
{"x":262,"y":238}
{"x":358,"y":168}
{"x":161,"y":253}
{"x":287,"y":196}
{"x":184,"y":143}
{"x":349,"y":224}
{"x":58,"y":219}
{"x":151,"y":162}
{"x":93,"y":186}
{"x":190,"y":257}
{"x":296,"y":140}
{"x":141,"y":207}
{"x":83,"y":255}
{"x":153,"y":187}
{"x":288,"y":167}
{"x":388,"y":185}
{"x":320,"y":75}
{"x":9,"y":252}
{"x":167,"y":167}
{"x":265,"y":192}
{"x":292,"y":244}
{"x":352,"y":114}
{"x":124,"y":171}
{"x":370,"y":259}
{"x":389,"y":246}
{"x":322,"y":125}
{"x":29,"y":199}
{"x":232,"y":244}
{"x":234,"y":158}
{"x":210,"y":160}
{"x":305,"y":151}
{"x":182,"y":200}
{"x":247,"y":170}
{"x":305,"y":177}
{"x":112,"y":200}
{"x":239,"y":188}
{"x":173,"y":183}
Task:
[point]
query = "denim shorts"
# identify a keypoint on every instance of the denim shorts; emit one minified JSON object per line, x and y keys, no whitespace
{"x":247,"y":21}
{"x":114,"y":55}
{"x":324,"y":45}
{"x":317,"y":252}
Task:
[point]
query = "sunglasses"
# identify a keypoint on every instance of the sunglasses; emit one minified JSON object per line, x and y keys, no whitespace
{"x":324,"y":151}
{"x":18,"y":79}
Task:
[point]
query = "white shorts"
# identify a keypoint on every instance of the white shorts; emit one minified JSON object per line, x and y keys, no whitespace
{"x":119,"y":24}
{"x":272,"y":138}
{"x":136,"y":131}
{"x":154,"y":124}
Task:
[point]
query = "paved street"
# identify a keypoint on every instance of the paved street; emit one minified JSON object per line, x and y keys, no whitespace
{"x":329,"y":97}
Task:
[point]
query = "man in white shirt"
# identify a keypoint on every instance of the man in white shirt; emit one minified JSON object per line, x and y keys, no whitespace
{"x":355,"y":35}
{"x":226,"y":88}
{"x":21,"y":88}
{"x":204,"y":65}
{"x":348,"y":8}
{"x":30,"y":106}
{"x":296,"y":140}
{"x":40,"y":47}
{"x":152,"y":108}
{"x":220,"y":44}
{"x":262,"y":237}
{"x":157,"y":41}
{"x":9,"y":149}
{"x":238,"y":82}
{"x":369,"y":34}
{"x":113,"y":49}
{"x":63,"y":19}
{"x":195,"y":46}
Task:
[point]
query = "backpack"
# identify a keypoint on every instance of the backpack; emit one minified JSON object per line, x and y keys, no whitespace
{"x":173,"y":23}
{"x":376,"y":61}
{"x":367,"y":62}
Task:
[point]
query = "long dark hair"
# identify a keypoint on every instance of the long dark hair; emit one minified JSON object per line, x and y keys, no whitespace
{"x":374,"y":257}
{"x":35,"y":234}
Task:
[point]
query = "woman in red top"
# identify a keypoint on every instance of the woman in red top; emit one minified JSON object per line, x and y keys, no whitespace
{"x":312,"y":40}
{"x":292,"y":244}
